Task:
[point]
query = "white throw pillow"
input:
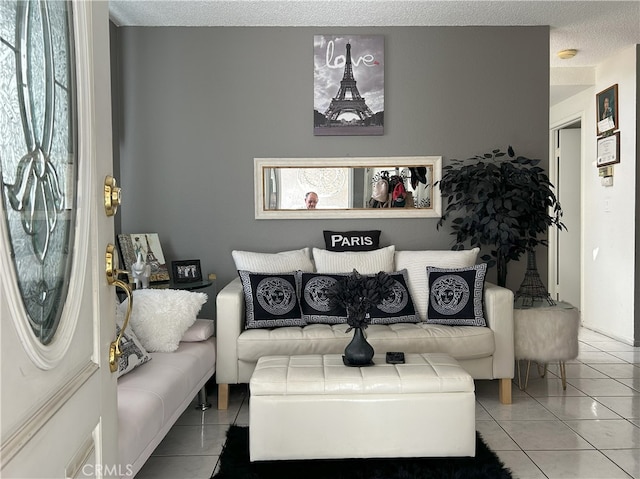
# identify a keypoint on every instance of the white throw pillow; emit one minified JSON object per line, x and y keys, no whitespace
{"x":133,"y":354}
{"x":416,"y":262}
{"x":365,"y":262}
{"x":284,"y":262}
{"x":160,"y":317}
{"x":201,"y":330}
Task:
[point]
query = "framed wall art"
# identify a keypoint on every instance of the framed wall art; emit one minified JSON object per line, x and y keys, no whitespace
{"x":186,"y":271}
{"x":608,"y":150}
{"x":148,"y":246}
{"x":348,"y":85}
{"x":607,"y":110}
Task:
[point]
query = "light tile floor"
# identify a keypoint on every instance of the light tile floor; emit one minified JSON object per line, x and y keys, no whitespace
{"x":591,"y":430}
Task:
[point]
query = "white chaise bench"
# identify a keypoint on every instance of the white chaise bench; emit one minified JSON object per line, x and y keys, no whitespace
{"x":314,"y":407}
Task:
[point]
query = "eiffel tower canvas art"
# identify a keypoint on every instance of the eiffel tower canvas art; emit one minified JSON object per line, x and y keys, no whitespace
{"x":148,"y":246}
{"x":348,"y":85}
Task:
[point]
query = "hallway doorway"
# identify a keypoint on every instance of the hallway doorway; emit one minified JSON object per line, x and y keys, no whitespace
{"x":565,"y":247}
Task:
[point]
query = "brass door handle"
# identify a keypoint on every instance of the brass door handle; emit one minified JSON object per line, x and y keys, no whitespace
{"x":112,"y":278}
{"x":112,"y":196}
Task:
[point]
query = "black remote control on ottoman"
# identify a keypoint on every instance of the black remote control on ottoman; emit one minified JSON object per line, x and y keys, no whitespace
{"x":395,"y":358}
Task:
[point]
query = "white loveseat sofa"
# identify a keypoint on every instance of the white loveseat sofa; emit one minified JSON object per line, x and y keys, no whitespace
{"x":167,"y":358}
{"x":153,"y":396}
{"x":484,"y":352}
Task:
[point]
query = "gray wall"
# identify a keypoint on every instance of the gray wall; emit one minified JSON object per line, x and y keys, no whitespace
{"x":196,"y":106}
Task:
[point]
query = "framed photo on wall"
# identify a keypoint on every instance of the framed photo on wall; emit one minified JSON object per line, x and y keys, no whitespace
{"x":608,"y":150}
{"x":607,"y":110}
{"x":348,"y":85}
{"x":186,"y":271}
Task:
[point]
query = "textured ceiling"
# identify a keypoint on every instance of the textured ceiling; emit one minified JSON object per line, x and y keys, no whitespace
{"x":597,"y":29}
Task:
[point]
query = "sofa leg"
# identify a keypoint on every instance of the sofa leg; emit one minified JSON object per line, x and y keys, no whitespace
{"x":223,"y":396}
{"x":203,"y":404}
{"x":505,"y":390}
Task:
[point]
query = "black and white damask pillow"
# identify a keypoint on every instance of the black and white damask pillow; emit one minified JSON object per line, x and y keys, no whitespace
{"x":314,"y":302}
{"x":271,"y":300}
{"x":455,"y":295}
{"x":398,"y":307}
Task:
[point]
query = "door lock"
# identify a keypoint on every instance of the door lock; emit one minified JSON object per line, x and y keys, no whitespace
{"x":112,"y":195}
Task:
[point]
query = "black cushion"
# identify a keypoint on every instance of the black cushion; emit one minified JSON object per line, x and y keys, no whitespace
{"x":314,"y":302}
{"x":352,"y":240}
{"x":398,"y":308}
{"x":455,"y":295}
{"x":271,"y":300}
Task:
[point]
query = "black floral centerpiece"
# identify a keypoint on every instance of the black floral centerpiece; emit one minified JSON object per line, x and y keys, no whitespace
{"x":357,"y":295}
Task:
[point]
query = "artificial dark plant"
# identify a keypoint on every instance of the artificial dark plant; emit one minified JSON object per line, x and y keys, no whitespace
{"x":358,"y":294}
{"x":502,"y":201}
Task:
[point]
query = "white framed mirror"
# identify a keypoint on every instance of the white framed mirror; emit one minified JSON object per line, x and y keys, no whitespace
{"x":347,"y":187}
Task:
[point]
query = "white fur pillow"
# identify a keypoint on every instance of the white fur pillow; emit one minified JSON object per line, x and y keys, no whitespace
{"x":284,"y":262}
{"x":416,"y":262}
{"x":365,"y":262}
{"x":160,"y":317}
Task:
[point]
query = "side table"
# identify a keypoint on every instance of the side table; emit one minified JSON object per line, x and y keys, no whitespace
{"x":546,"y":334}
{"x":186,"y":285}
{"x":208,"y":310}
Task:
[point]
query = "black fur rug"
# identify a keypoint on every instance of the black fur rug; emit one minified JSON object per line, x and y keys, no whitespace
{"x":234,"y":464}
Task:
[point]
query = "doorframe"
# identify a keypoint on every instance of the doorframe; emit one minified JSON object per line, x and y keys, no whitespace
{"x":552,"y":278}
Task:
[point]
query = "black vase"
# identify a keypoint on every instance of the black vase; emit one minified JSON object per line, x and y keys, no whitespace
{"x":358,"y":352}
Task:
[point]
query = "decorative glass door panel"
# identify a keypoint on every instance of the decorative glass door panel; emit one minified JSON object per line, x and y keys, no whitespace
{"x":38,"y":145}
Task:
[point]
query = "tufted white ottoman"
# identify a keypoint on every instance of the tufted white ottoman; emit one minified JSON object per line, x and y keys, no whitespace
{"x":315,"y":407}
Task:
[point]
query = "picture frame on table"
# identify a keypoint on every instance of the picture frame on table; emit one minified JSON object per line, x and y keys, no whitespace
{"x":607,"y":110}
{"x":186,"y":271}
{"x":148,"y":246}
{"x":608,"y":151}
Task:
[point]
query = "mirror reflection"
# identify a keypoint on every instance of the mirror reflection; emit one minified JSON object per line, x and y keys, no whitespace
{"x":347,"y":187}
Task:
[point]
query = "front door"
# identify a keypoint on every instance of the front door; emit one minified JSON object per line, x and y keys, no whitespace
{"x":58,"y":416}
